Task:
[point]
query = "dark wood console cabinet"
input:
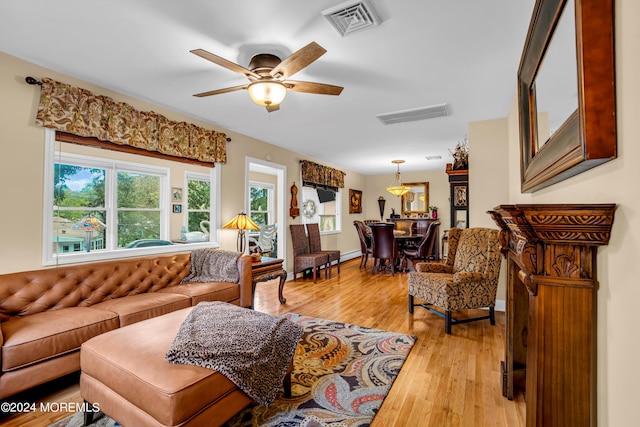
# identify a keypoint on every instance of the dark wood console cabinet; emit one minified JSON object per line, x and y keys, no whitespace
{"x":550,"y":349}
{"x":458,"y":197}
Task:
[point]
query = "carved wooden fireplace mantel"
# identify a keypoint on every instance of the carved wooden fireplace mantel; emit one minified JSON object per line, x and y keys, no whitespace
{"x":550,"y":351}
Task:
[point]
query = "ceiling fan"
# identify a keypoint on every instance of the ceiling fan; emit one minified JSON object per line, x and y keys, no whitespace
{"x":268,"y":75}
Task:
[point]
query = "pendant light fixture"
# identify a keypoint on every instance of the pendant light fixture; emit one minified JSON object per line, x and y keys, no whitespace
{"x":396,"y":188}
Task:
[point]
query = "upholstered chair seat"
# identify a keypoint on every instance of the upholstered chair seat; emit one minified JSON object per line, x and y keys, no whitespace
{"x":315,"y":246}
{"x":303,"y":259}
{"x":467,"y":280}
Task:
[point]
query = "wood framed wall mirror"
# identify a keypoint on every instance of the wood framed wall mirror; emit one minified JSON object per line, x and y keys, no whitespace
{"x":566,"y":91}
{"x":416,"y":201}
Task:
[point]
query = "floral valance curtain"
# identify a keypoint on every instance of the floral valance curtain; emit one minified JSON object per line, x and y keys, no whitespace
{"x":80,"y":112}
{"x":321,"y":176}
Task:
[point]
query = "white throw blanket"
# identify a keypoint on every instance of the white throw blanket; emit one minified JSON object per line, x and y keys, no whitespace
{"x":252,"y":349}
{"x":213,"y":265}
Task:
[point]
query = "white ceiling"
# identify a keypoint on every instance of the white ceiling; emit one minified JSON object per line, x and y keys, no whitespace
{"x":425,"y":52}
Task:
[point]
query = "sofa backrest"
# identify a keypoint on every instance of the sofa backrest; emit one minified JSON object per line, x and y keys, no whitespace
{"x":31,"y":292}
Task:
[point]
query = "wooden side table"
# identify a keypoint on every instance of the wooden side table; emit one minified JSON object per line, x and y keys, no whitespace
{"x":268,"y":269}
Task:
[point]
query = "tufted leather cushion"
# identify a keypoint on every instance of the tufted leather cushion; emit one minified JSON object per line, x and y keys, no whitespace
{"x":49,"y":334}
{"x":136,"y":308}
{"x":212,"y":291}
{"x":31,"y":292}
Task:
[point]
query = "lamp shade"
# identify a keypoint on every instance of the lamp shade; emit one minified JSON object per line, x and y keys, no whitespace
{"x":267,"y":93}
{"x":241,"y":222}
{"x":396,"y":188}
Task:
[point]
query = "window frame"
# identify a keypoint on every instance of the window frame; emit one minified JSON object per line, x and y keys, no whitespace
{"x":53,"y":155}
{"x":197,"y":176}
{"x":270,"y":199}
{"x":338,"y":201}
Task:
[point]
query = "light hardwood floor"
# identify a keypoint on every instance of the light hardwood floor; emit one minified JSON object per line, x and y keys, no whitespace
{"x":447,"y":380}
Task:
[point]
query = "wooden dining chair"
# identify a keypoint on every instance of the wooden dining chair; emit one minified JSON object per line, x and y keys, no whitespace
{"x":364,"y":235}
{"x":384,"y":247}
{"x":424,"y":248}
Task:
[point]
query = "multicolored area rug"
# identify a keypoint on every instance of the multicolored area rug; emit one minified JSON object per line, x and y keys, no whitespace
{"x":341,"y":375}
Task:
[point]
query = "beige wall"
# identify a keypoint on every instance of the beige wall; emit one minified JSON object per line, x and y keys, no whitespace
{"x":22,"y":165}
{"x":618,"y":268}
{"x":377,"y":184}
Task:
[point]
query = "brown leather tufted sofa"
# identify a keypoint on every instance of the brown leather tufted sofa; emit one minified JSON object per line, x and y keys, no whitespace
{"x":47,"y":314}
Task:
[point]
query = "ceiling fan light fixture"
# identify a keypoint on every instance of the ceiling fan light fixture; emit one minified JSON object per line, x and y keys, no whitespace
{"x":267,"y":93}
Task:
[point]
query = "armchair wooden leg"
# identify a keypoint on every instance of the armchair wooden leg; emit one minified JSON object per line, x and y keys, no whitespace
{"x":447,"y":321}
{"x":492,"y":315}
{"x":411,"y":304}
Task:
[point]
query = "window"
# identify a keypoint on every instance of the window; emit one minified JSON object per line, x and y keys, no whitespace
{"x":138,"y":206}
{"x":128,"y":193}
{"x":323,"y":207}
{"x":261,"y":200}
{"x":198,"y":201}
{"x":124,"y":197}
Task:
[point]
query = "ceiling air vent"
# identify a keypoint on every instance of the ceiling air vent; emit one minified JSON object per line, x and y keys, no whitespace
{"x":350,"y":17}
{"x":414,"y":114}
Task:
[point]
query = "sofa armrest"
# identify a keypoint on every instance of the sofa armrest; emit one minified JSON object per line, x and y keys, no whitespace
{"x":246,"y":288}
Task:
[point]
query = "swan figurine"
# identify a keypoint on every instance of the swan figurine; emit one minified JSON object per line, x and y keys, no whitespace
{"x":199,"y":236}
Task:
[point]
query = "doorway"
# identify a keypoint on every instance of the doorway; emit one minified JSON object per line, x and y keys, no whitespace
{"x":255,"y":167}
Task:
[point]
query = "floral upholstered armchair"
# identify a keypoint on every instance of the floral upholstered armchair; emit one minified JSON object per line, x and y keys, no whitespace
{"x":467,"y":280}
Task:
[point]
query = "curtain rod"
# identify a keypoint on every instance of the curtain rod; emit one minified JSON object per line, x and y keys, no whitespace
{"x":32,"y":81}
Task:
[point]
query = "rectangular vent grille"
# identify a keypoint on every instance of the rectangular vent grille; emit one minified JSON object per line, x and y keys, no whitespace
{"x":348,"y":18}
{"x":415,"y":114}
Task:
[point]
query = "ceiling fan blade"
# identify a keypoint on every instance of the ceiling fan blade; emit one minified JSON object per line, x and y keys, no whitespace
{"x":272,"y":108}
{"x":225,"y":63}
{"x":219,"y":91}
{"x":311,"y":87}
{"x":298,"y":60}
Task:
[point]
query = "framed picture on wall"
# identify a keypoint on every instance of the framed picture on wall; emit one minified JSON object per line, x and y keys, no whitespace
{"x":176,"y":194}
{"x":177,"y":208}
{"x":355,"y":201}
{"x":459,"y":195}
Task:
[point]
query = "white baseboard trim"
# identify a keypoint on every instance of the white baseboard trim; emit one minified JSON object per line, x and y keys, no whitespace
{"x":501,"y":305}
{"x":346,"y":256}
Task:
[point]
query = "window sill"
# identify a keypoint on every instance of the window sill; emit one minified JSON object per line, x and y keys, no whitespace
{"x":99,"y":255}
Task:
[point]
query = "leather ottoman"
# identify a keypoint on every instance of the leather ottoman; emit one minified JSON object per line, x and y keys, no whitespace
{"x":124,"y":371}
